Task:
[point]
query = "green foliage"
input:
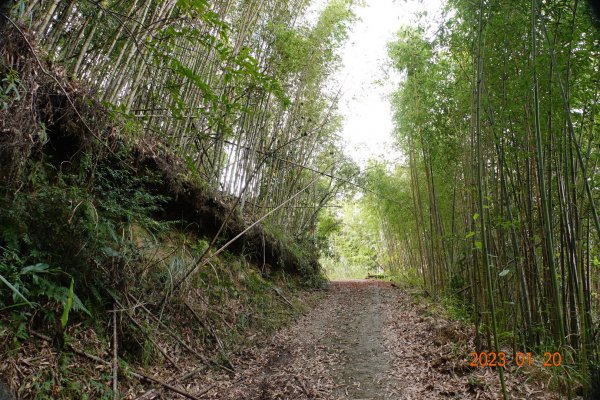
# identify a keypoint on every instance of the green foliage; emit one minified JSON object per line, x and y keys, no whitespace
{"x":67,"y":306}
{"x":10,"y":89}
{"x":123,"y":196}
{"x":42,"y":283}
{"x":457,"y":308}
{"x":328,"y":224}
{"x":410,"y":52}
{"x":192,"y":5}
{"x":16,"y":293}
{"x":362,"y":238}
{"x":336,"y":270}
{"x":59,"y":225}
{"x":349,"y":248}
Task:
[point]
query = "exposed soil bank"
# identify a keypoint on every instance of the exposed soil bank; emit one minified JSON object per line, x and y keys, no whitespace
{"x":57,"y":122}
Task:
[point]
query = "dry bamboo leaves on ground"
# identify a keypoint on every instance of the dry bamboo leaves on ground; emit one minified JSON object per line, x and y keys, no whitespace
{"x":368,"y":340}
{"x":364,"y":340}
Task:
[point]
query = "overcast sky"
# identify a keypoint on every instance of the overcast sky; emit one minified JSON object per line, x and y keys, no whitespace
{"x":366,"y":79}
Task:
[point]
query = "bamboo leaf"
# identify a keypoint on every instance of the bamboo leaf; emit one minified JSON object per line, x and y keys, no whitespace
{"x":67,"y":308}
{"x":37,"y":268}
{"x":15,"y":290}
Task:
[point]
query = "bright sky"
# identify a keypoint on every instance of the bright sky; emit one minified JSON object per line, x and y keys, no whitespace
{"x":367,"y":80}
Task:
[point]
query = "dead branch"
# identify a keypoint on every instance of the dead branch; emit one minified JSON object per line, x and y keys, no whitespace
{"x":136,"y":323}
{"x":289,"y":303}
{"x":141,"y":376}
{"x":115,"y":362}
{"x":170,"y":331}
{"x":206,"y":326}
{"x":185,"y":377}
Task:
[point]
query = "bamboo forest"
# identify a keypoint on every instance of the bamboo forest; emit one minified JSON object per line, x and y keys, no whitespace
{"x":299,"y":199}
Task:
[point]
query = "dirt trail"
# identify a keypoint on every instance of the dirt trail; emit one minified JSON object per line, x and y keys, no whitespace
{"x":360,"y":328}
{"x":367,"y":340}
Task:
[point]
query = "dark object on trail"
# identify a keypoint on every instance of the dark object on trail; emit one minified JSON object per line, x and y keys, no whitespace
{"x":594,"y":393}
{"x":5,"y":392}
{"x":594,"y":6}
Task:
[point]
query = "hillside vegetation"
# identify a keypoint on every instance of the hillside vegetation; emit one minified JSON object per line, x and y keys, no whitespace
{"x":162,"y":167}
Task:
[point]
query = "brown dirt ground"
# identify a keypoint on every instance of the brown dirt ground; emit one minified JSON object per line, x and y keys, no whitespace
{"x":368,"y":340}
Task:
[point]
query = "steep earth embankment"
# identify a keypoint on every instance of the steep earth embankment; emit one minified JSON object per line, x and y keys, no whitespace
{"x":55,"y":123}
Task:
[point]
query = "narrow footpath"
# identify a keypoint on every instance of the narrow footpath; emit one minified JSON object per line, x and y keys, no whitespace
{"x":367,"y":340}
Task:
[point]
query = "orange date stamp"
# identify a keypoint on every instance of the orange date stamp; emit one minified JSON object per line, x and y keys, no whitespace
{"x":500,"y":359}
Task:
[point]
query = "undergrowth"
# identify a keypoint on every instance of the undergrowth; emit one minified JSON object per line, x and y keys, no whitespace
{"x":77,"y":240}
